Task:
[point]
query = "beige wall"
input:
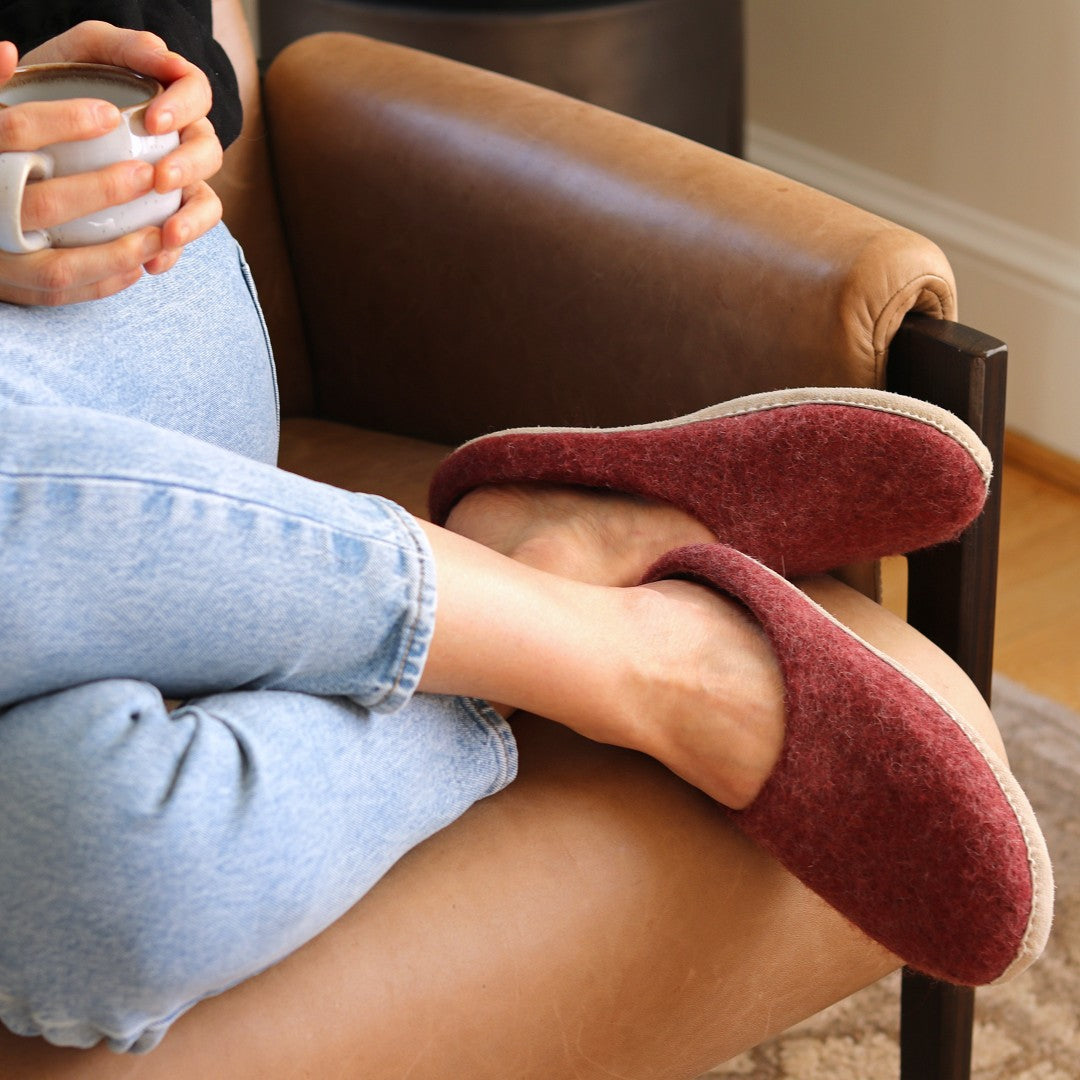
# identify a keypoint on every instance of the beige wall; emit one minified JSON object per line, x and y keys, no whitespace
{"x":976,"y":99}
{"x":969,"y":112}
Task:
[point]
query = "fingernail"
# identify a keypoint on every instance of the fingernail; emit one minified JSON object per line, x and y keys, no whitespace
{"x":151,"y":243}
{"x":142,"y":175}
{"x":105,"y":114}
{"x":164,"y":122}
{"x":168,"y":178}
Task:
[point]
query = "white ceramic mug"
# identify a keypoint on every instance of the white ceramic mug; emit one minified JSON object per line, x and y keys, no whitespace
{"x":129,"y":141}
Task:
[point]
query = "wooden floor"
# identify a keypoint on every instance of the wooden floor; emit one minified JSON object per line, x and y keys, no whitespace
{"x":1038,"y":621}
{"x":1037,"y":640}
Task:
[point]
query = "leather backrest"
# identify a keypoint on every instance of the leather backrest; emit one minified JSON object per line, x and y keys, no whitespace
{"x":473,"y":252}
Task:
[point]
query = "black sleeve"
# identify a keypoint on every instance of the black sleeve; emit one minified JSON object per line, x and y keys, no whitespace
{"x":186,"y":25}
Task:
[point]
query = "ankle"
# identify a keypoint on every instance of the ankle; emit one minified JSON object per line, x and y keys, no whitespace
{"x":711,"y":696}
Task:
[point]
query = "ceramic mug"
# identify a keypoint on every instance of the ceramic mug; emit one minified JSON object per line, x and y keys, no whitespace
{"x":129,"y":141}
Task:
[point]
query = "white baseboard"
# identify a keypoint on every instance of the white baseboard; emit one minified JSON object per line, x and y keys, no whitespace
{"x":1039,"y":260}
{"x":1012,"y":282}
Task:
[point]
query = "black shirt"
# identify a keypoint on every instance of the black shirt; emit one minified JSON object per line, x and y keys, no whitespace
{"x":185,"y":25}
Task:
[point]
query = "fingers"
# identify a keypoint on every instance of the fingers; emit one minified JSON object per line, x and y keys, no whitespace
{"x":197,"y":158}
{"x":142,"y":51}
{"x":35,"y":124}
{"x":198,"y":214}
{"x":101,"y":43}
{"x":72,"y":275}
{"x":163,"y":263}
{"x":67,"y":276}
{"x":53,"y":202}
{"x":9,"y":58}
{"x":182,"y":106}
{"x":187,"y":96}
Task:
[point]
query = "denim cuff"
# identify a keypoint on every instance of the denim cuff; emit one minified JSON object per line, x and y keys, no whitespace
{"x":501,"y":739}
{"x":419,"y":618}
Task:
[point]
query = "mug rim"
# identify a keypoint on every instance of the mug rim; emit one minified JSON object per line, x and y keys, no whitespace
{"x":114,"y":71}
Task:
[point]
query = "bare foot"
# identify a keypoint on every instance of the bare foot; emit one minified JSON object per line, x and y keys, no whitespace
{"x":706,"y":696}
{"x":602,"y":537}
{"x":700,"y":689}
{"x":672,"y":669}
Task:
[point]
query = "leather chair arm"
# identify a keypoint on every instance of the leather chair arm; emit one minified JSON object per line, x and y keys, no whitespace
{"x":474,"y":252}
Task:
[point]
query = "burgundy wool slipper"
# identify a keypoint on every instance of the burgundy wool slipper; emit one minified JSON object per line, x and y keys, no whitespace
{"x":883,"y":801}
{"x":803,"y":480}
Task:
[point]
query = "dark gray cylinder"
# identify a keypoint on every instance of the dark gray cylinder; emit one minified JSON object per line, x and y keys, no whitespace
{"x":677,"y":64}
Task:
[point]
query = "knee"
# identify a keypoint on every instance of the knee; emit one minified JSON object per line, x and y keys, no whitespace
{"x":89,"y":883}
{"x":80,"y":763}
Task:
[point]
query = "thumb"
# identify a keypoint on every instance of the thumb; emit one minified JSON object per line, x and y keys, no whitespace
{"x":9,"y":60}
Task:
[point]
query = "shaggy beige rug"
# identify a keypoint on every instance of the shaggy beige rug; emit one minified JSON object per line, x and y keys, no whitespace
{"x":1028,"y":1029}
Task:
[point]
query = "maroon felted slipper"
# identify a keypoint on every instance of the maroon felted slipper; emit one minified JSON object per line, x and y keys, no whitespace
{"x":804,"y":480}
{"x":884,"y":801}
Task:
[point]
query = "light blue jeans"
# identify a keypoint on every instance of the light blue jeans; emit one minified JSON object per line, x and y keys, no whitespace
{"x":150,"y":858}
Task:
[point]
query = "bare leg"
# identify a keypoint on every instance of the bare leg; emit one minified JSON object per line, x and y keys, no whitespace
{"x":735,"y":949}
{"x":671,"y":669}
{"x":598,"y":918}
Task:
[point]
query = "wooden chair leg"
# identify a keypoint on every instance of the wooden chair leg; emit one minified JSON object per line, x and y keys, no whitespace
{"x":951,"y":598}
{"x":936,"y":1021}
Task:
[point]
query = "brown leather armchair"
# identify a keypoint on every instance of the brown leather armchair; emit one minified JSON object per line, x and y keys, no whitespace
{"x":471,"y":253}
{"x":462,"y":252}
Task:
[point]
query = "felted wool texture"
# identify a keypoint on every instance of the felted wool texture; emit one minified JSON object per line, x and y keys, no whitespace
{"x":880,"y":802}
{"x":802,"y":488}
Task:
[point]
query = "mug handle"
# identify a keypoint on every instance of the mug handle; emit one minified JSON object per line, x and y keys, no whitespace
{"x":16,"y":168}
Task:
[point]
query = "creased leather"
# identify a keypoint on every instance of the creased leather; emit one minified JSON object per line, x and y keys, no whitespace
{"x":499,"y":255}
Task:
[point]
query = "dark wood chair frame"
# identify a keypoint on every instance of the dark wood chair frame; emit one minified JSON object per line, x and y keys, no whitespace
{"x":952,"y":592}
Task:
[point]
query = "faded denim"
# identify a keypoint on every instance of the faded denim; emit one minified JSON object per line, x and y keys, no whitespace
{"x":151,"y":857}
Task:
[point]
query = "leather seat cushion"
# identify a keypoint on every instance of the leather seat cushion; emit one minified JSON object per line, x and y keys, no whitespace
{"x":359,"y":460}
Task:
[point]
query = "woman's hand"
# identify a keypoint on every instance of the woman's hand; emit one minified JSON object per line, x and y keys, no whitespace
{"x":62,"y":276}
